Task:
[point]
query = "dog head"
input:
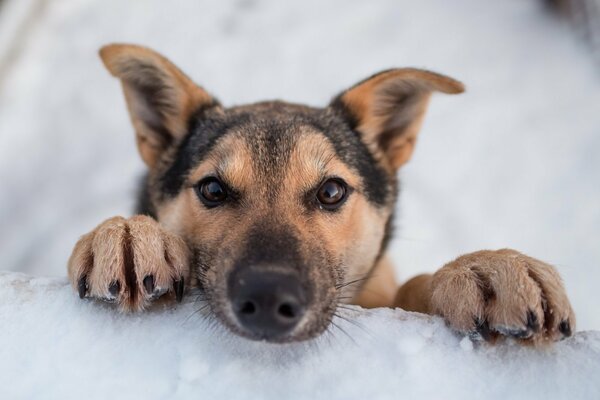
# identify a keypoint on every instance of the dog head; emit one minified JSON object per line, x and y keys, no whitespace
{"x":283,"y":205}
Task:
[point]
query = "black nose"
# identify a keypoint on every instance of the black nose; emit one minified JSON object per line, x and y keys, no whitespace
{"x":269,"y":304}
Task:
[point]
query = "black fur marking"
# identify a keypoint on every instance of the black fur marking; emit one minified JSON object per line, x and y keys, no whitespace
{"x":195,"y":146}
{"x":484,"y":284}
{"x":387,"y":237}
{"x":272,"y":244}
{"x":144,"y":205}
{"x":82,"y":286}
{"x":338,"y":105}
{"x":129,"y":266}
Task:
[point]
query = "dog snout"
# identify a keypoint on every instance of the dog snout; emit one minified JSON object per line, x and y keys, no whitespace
{"x":268,"y":304}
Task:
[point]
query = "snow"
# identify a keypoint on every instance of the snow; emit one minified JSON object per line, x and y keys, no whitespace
{"x":56,"y":346}
{"x":511,"y":163}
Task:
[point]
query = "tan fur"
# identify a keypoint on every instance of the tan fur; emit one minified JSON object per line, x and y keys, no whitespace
{"x":501,"y":287}
{"x":131,"y":63}
{"x":99,"y":257}
{"x":379,"y":290}
{"x":415,"y":294}
{"x":372,"y":101}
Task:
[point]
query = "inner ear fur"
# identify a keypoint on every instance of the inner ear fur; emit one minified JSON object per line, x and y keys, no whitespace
{"x":387,"y":109}
{"x":160,"y":98}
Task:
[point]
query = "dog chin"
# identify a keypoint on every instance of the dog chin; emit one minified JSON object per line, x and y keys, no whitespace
{"x":299,"y":334}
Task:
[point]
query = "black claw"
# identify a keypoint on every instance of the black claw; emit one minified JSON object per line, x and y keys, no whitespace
{"x":82,"y":286}
{"x":483,"y":328}
{"x":149,"y":284}
{"x":565,"y":328}
{"x":521,"y":334}
{"x":532,"y":321}
{"x":178,"y":284}
{"x":114,"y":288}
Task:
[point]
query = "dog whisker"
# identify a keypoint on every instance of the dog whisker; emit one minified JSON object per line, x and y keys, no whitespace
{"x":199,"y":310}
{"x":354,"y":322}
{"x":343,"y":331}
{"x":352,"y":282}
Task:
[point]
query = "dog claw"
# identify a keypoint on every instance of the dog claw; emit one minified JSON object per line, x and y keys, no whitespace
{"x":565,"y":328}
{"x":520,"y":334}
{"x":532,"y":321}
{"x":82,"y":286}
{"x":178,"y":284}
{"x":149,"y":284}
{"x":482,"y":329}
{"x":109,"y":300}
{"x":114,"y":288}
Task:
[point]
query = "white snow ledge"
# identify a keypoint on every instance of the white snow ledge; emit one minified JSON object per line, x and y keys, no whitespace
{"x":55,"y":346}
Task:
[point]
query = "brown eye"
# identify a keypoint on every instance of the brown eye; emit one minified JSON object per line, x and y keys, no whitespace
{"x":332,"y":194}
{"x":211,"y":192}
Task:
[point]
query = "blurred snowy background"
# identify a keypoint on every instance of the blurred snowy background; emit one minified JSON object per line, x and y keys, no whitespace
{"x":514,"y":162}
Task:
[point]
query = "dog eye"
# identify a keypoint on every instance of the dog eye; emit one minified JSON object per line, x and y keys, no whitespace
{"x":211,"y":192}
{"x":332,"y":194}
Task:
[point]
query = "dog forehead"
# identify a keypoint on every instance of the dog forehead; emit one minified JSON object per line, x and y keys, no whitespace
{"x":269,"y":138}
{"x":265,"y":153}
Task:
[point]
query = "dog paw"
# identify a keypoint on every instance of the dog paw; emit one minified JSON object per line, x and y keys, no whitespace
{"x":492,"y":294}
{"x":130,"y":262}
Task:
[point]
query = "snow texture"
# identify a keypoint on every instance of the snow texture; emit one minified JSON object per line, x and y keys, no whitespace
{"x":511,"y":163}
{"x":58,"y":347}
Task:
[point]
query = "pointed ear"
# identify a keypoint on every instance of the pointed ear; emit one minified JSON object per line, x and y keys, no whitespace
{"x":387,"y":109}
{"x":161,"y":99}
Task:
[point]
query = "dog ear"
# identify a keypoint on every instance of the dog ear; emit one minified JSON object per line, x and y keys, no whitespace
{"x":161,"y":99}
{"x":387,"y":109}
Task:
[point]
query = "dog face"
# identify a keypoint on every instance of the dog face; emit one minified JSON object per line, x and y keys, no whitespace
{"x":283,"y":205}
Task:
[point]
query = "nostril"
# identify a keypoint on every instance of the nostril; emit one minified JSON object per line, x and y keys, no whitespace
{"x":287,"y":310}
{"x":266,"y":304}
{"x":248,"y":308}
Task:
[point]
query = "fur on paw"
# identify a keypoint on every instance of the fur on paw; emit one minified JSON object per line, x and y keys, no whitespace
{"x":503,"y":293}
{"x":129,"y":262}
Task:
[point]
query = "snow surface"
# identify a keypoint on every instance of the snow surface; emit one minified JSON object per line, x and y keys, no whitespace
{"x":511,"y":163}
{"x":55,"y":346}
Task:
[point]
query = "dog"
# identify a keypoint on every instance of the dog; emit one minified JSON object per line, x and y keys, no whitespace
{"x":277,"y":213}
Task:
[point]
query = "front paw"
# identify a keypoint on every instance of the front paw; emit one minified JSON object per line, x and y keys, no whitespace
{"x":489,"y":294}
{"x":130,"y":262}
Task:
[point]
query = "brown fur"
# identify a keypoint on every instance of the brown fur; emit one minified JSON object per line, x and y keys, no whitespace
{"x":381,"y":287}
{"x":134,"y":66}
{"x":375,"y":101}
{"x":272,"y":157}
{"x":506,"y":291}
{"x":415,"y":294}
{"x":100,"y":257}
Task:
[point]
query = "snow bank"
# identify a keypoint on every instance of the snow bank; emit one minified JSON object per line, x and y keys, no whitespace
{"x":56,"y":346}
